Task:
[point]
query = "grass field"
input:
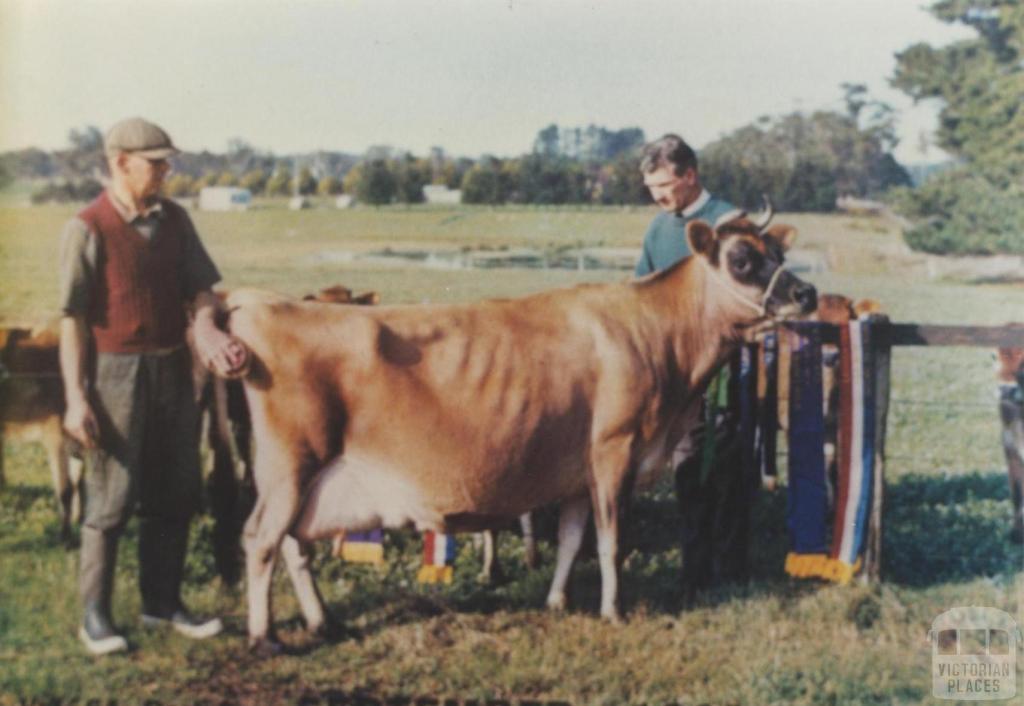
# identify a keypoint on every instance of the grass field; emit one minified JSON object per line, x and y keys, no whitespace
{"x":773,"y":641}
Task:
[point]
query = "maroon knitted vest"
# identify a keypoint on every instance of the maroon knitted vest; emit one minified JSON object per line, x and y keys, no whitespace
{"x":138,"y":302}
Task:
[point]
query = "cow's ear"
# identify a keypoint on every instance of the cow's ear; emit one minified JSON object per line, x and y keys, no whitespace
{"x":783,"y":235}
{"x":701,"y":237}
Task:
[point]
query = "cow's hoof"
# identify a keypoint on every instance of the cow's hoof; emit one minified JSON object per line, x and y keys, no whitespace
{"x":332,"y":630}
{"x":556,"y":603}
{"x":612,"y":617}
{"x":494,"y":577}
{"x":265,"y":647}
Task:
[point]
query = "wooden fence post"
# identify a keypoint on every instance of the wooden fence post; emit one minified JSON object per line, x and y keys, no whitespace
{"x":880,"y":352}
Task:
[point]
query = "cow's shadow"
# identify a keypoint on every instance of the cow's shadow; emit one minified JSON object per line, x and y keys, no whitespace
{"x":649,"y":583}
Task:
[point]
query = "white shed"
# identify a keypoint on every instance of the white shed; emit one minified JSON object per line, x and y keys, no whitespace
{"x":224,"y":198}
{"x":439,"y":193}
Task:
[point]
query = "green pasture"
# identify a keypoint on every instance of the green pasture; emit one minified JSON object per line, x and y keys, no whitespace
{"x":774,"y":641}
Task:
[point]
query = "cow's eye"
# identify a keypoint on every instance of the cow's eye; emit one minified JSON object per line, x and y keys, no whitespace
{"x":741,"y":264}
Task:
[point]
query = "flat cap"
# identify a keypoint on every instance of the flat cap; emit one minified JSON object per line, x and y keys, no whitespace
{"x":141,"y":137}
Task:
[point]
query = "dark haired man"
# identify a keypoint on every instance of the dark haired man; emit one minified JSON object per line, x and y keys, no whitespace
{"x":129,"y":264}
{"x":713,"y":502}
{"x":669,"y":168}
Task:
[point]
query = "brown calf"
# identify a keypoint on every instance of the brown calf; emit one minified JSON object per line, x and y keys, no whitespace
{"x":32,"y":409}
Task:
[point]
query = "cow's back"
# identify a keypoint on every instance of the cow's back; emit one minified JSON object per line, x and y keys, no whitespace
{"x":469,"y":403}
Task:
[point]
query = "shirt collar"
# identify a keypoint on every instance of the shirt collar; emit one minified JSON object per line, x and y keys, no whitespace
{"x":128,"y":212}
{"x":696,"y":205}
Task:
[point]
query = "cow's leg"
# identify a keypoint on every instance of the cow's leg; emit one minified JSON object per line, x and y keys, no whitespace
{"x":572,"y":523}
{"x":297,"y":557}
{"x":57,"y":457}
{"x":76,"y":470}
{"x":529,"y":543}
{"x":487,"y":571}
{"x":610,"y":467}
{"x":1013,"y":448}
{"x":222,"y":486}
{"x":1017,"y":494}
{"x":277,"y":472}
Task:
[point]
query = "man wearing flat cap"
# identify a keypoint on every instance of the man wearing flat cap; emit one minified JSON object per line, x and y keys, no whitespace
{"x":130,"y":263}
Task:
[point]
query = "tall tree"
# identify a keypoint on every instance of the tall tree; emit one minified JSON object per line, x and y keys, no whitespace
{"x":411,"y":175}
{"x":804,"y":161}
{"x":280,"y":182}
{"x":305,"y":182}
{"x":85,"y":158}
{"x":377,"y":184}
{"x":490,"y":181}
{"x":88,"y":139}
{"x":977,"y":207}
{"x":255,"y":180}
{"x":546,"y":142}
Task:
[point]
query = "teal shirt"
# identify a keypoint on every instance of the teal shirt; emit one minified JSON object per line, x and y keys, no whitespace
{"x":665,"y":241}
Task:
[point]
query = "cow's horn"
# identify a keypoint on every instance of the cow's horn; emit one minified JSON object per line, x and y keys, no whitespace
{"x":765,"y":217}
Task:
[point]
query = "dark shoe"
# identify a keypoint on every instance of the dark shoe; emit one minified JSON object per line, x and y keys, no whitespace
{"x":98,"y":635}
{"x":185,"y":623}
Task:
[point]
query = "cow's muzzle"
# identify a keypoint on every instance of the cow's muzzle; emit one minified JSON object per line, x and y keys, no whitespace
{"x":806,"y":296}
{"x":788,"y":295}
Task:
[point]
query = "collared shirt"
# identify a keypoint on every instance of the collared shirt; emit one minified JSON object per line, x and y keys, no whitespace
{"x":697,"y":205}
{"x":665,"y":240}
{"x":80,"y":255}
{"x":145,"y":221}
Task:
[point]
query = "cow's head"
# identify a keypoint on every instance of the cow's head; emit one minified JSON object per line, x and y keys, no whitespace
{"x":745,"y":256}
{"x":839,"y":309}
{"x":1009,"y":364}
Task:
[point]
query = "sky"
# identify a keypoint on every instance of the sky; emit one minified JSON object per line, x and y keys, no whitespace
{"x":472,"y":76}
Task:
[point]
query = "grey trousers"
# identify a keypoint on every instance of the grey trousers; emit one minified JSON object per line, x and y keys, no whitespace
{"x":148,"y":455}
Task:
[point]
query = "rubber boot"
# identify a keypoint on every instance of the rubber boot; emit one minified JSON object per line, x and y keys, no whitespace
{"x":96,"y":587}
{"x":162,"y":548}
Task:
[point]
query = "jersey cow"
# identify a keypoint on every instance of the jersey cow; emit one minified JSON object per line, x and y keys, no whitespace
{"x":455,"y":417}
{"x":1010,"y":374}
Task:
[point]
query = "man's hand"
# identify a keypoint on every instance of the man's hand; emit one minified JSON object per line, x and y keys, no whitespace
{"x":225,"y":355}
{"x":219,"y":352}
{"x":80,"y":423}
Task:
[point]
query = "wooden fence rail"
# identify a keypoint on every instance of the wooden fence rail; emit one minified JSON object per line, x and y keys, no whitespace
{"x":885,"y":336}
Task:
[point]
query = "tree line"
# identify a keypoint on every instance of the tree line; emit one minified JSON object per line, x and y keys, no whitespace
{"x":803,"y":161}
